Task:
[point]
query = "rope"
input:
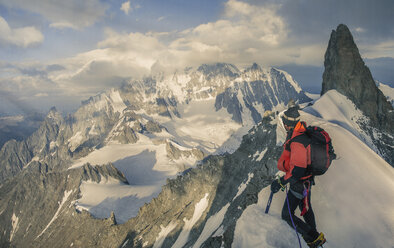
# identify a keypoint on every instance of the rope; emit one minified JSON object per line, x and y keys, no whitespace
{"x":291,"y":217}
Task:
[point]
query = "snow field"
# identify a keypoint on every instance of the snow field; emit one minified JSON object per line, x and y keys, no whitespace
{"x":342,"y":112}
{"x":242,"y":187}
{"x":260,"y":230}
{"x":163,"y":234}
{"x":199,"y":209}
{"x":146,"y":165}
{"x":353,"y":202}
{"x":146,"y":168}
{"x":202,"y":125}
{"x":387,"y":91}
{"x":212,"y":226}
{"x":15,"y":225}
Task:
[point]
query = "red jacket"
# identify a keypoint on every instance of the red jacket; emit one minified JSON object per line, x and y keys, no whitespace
{"x":297,"y":156}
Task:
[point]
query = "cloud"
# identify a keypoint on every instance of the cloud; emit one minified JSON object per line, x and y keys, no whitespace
{"x":28,"y":87}
{"x":245,"y":33}
{"x":161,"y":18}
{"x":313,"y":19}
{"x":234,"y":7}
{"x":61,"y":14}
{"x":22,"y":37}
{"x":381,"y":49}
{"x":125,"y":7}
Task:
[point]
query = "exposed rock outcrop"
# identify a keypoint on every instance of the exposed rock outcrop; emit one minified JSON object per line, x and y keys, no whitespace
{"x":37,"y":209}
{"x":259,"y":88}
{"x":216,"y":180}
{"x":346,"y":72}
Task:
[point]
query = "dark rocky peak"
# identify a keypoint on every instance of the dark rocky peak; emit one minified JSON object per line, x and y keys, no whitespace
{"x":54,"y":116}
{"x":103,"y":172}
{"x":213,"y":70}
{"x":346,"y":72}
{"x":91,"y":100}
{"x":275,"y":72}
{"x":254,"y":73}
{"x":47,"y":132}
{"x":147,"y":85}
{"x":254,"y":67}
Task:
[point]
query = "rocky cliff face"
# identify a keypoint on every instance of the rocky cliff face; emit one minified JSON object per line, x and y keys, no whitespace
{"x":226,"y":184}
{"x":43,"y":209}
{"x":37,"y":210}
{"x":18,"y":127}
{"x":258,"y":89}
{"x":346,"y":72}
{"x":14,"y":156}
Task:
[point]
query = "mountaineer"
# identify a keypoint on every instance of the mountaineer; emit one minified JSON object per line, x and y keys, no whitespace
{"x":296,"y":162}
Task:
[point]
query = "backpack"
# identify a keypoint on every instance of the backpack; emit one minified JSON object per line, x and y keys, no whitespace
{"x":322,"y":151}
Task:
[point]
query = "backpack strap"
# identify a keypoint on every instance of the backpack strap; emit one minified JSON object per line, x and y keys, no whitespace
{"x":303,"y":139}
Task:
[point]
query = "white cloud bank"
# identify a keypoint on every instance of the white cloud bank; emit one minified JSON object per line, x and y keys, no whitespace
{"x":22,"y":37}
{"x":245,"y":34}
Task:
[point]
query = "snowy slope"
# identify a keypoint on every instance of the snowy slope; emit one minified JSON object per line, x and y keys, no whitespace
{"x":202,"y":126}
{"x":111,"y":128}
{"x":336,"y":108}
{"x":146,"y":168}
{"x":353,"y":202}
{"x":145,"y":163}
{"x":197,"y":124}
{"x":387,"y":91}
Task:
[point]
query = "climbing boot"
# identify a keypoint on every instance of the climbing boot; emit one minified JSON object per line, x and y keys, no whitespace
{"x":317,"y":242}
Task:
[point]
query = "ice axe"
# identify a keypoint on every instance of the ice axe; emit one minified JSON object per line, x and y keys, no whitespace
{"x":269,"y":202}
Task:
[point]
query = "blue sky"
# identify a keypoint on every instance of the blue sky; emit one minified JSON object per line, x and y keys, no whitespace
{"x":57,"y":53}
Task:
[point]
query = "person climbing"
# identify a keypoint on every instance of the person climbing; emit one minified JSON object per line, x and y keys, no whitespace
{"x":295,"y":158}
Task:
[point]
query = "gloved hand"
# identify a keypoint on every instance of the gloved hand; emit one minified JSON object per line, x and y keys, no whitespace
{"x":276,"y":185}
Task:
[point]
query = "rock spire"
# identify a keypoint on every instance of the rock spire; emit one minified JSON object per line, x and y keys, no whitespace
{"x":346,"y":72}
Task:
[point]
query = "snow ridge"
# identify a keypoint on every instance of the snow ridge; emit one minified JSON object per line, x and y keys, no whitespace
{"x":337,"y":201}
{"x":198,"y":211}
{"x":15,"y":225}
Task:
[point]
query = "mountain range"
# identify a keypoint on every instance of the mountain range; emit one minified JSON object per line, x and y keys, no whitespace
{"x":184,"y":161}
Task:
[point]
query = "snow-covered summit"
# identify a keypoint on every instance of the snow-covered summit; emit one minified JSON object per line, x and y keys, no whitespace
{"x":337,"y":108}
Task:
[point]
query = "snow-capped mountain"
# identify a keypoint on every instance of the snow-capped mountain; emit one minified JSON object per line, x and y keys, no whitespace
{"x":163,"y":109}
{"x":151,"y":130}
{"x":218,"y":203}
{"x":185,"y":161}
